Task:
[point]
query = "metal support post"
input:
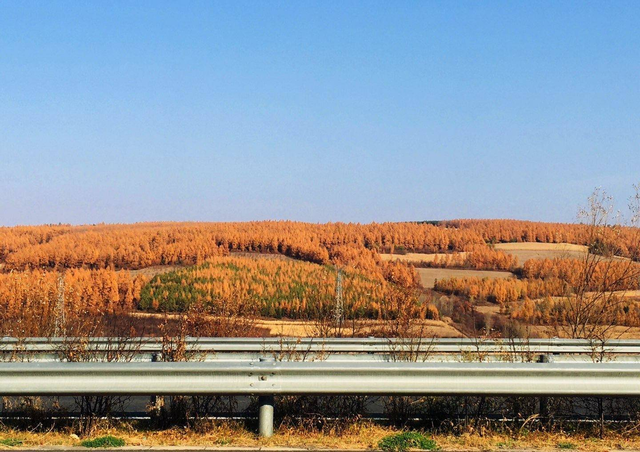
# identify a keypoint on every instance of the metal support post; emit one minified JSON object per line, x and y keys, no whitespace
{"x":265,"y":416}
{"x":265,"y":413}
{"x":543,"y":408}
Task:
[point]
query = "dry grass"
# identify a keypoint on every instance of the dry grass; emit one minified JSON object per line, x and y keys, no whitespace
{"x":295,"y":328}
{"x":488,"y":309}
{"x":522,"y":250}
{"x":428,"y":276}
{"x":533,"y":250}
{"x":152,"y":271}
{"x":361,"y":435}
{"x":419,"y":257}
{"x":633,"y":294}
{"x":305,"y":328}
{"x":537,"y":246}
{"x":615,"y":332}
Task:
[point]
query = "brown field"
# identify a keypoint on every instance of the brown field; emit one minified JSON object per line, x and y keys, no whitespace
{"x":428,"y":276}
{"x":616,"y":332}
{"x":303,"y":328}
{"x":532,"y":250}
{"x":627,"y":294}
{"x":150,"y":272}
{"x":419,"y":257}
{"x":293,"y":328}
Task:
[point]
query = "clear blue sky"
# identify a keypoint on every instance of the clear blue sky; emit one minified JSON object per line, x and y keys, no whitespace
{"x":315,"y":111}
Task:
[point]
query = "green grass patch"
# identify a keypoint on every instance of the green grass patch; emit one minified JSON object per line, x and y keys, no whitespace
{"x":401,"y":442}
{"x":103,"y":441}
{"x":566,"y":445}
{"x":11,"y":442}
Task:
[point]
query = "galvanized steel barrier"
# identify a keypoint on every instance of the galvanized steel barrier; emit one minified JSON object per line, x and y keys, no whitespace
{"x":321,"y":378}
{"x":268,"y":377}
{"x":366,"y":349}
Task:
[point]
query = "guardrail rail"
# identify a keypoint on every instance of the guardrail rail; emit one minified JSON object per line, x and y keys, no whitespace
{"x":350,"y":349}
{"x":267,"y":377}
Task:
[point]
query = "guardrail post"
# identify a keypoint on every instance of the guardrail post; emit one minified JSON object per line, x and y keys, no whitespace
{"x":265,"y":413}
{"x":265,"y":416}
{"x":544,"y":401}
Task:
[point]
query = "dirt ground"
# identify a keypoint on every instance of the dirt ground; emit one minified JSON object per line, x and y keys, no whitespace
{"x":428,"y":276}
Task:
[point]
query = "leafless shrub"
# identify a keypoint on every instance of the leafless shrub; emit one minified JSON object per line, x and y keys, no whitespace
{"x":79,"y":329}
{"x":223,"y":320}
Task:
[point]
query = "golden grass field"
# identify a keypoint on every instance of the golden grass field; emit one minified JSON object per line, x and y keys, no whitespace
{"x":428,"y":276}
{"x":304,"y":328}
{"x":522,"y":250}
{"x":296,"y":328}
{"x":531,"y":250}
{"x":418,"y":257}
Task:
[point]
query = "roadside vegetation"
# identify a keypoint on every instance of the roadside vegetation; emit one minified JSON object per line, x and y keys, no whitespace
{"x":361,"y":435}
{"x":103,"y":442}
{"x":402,"y":442}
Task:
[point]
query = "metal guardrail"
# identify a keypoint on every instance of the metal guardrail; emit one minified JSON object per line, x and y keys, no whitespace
{"x":273,"y":378}
{"x":358,"y":349}
{"x":268,"y":378}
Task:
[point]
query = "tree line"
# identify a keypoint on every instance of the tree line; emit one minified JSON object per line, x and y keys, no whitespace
{"x":133,"y":246}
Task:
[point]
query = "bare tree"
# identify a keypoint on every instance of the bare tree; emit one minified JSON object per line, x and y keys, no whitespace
{"x":606,"y":272}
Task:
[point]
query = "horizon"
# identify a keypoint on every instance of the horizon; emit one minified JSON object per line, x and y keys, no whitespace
{"x":122,"y":113}
{"x":435,"y":222}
